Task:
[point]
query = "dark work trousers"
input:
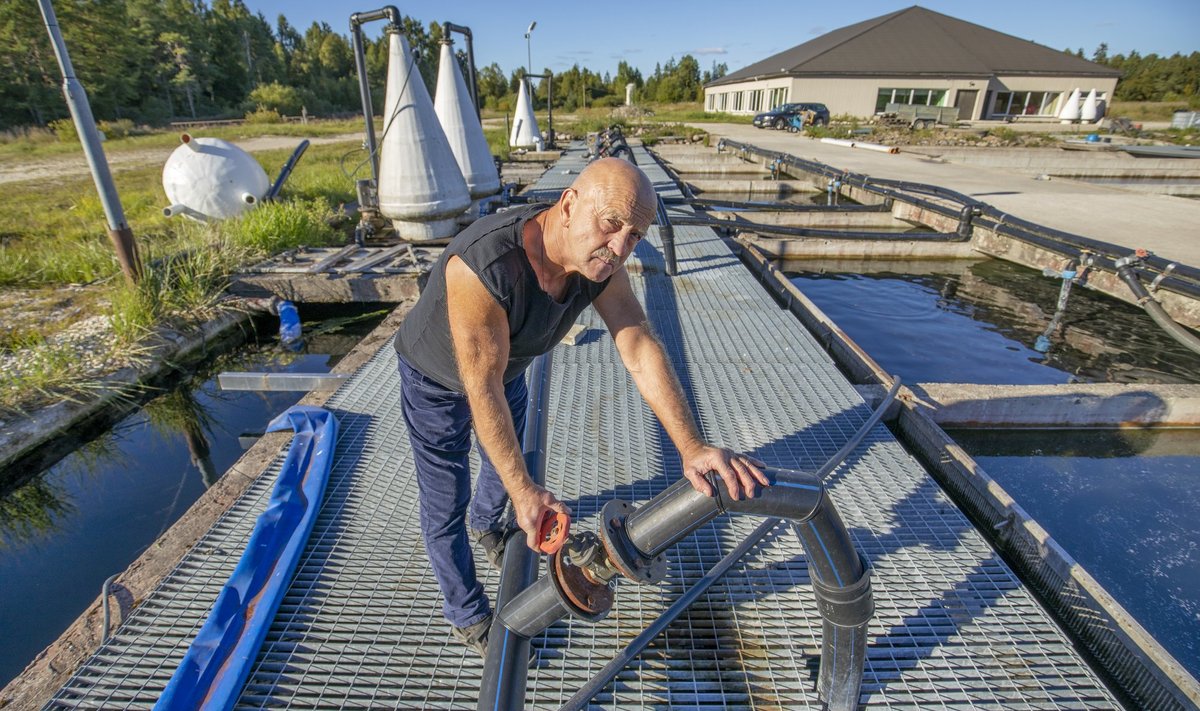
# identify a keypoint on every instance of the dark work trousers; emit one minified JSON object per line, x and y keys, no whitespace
{"x":439,"y":428}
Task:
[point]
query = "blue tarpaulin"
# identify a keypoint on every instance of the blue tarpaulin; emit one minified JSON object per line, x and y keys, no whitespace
{"x":215,"y":667}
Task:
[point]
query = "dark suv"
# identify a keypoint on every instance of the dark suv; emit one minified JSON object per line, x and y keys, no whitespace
{"x":780,"y":117}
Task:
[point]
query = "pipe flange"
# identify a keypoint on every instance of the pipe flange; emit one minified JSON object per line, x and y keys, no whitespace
{"x":622,"y":554}
{"x":848,"y":606}
{"x":589,"y":600}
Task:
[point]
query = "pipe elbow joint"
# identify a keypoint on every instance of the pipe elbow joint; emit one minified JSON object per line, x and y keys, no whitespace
{"x":852,"y":605}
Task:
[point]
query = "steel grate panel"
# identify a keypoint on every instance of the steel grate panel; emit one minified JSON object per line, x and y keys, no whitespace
{"x":360,"y":626}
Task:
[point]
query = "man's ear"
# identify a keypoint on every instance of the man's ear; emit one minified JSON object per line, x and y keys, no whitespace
{"x":567,"y":203}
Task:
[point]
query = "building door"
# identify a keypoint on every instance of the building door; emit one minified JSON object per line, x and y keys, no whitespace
{"x":965,"y":101}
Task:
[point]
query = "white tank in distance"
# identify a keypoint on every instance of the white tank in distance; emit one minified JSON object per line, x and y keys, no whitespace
{"x":456,"y":112}
{"x":421,"y":188}
{"x":207,"y":178}
{"x":525,"y":131}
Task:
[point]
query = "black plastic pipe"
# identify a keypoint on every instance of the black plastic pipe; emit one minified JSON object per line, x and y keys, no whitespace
{"x":778,"y":206}
{"x":1182,"y":279}
{"x":506,"y":666}
{"x":357,"y":20}
{"x":666,"y":231}
{"x":785,"y":231}
{"x":285,"y":172}
{"x":1151,"y":306}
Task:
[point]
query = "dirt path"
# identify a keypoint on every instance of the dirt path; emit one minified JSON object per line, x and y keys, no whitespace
{"x":75,"y":164}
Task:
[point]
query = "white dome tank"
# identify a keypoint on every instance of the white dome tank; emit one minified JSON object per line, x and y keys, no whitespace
{"x":525,"y":131}
{"x":420,"y":186}
{"x":1070,"y":111}
{"x":207,"y":178}
{"x":456,"y":112}
{"x":1088,"y":113}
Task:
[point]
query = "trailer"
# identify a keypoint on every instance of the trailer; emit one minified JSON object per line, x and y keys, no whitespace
{"x":918,"y":117}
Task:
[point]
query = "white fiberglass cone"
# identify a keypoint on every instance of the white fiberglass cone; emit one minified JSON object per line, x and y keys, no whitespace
{"x":1090,"y":105}
{"x":457,"y":114}
{"x":525,"y":131}
{"x":1070,"y":111}
{"x":420,"y":185}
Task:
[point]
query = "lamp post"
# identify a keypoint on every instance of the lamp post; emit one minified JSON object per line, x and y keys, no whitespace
{"x":528,"y":50}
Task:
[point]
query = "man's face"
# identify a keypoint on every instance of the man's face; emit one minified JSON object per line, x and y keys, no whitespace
{"x":607,"y":225}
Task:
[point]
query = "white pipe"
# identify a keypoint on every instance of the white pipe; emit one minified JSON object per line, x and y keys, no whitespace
{"x":249,"y":198}
{"x":855,"y":144}
{"x":173,"y":210}
{"x":186,"y":138}
{"x":877,"y":147}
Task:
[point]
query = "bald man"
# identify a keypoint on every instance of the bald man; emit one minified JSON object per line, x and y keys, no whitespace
{"x":506,"y":290}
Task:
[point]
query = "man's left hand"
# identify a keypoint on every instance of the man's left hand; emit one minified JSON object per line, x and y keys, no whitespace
{"x":740,"y":472}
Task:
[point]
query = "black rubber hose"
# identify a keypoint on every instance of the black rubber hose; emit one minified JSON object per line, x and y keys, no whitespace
{"x":1156,"y":311}
{"x":666,"y":232}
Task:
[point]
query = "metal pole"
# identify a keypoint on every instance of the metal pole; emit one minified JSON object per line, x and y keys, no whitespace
{"x":357,"y":20}
{"x":85,"y":124}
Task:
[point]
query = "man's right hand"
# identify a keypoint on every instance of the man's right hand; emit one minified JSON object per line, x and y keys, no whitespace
{"x":530,"y":504}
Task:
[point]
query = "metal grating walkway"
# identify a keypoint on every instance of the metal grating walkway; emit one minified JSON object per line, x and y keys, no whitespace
{"x":361,"y":624}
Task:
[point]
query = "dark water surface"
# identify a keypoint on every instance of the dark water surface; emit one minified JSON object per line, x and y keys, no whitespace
{"x":93,"y":513}
{"x":1125,"y":504}
{"x":978,"y":321}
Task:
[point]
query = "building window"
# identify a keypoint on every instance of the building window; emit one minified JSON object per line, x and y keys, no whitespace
{"x":711,"y":101}
{"x":737,"y":100}
{"x":1025,"y":103}
{"x":722,"y":101}
{"x":921,"y":97}
{"x":777,"y":97}
{"x":756,"y":100}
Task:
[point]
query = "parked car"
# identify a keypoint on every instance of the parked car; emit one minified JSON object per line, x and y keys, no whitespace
{"x":780,"y":116}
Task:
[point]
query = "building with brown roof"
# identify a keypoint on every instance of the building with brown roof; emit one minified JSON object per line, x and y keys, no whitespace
{"x":914,"y":56}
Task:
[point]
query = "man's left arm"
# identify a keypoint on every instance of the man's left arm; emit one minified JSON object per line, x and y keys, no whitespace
{"x":647,"y":362}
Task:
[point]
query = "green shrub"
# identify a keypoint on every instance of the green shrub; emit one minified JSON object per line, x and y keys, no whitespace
{"x":65,"y":130}
{"x":286,"y":100}
{"x":121,"y":128}
{"x":1005,"y":134}
{"x":261,"y":115}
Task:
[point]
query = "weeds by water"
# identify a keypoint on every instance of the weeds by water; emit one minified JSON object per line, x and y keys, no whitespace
{"x":52,"y":234}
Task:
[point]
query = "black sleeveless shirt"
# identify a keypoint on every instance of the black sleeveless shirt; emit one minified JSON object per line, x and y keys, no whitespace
{"x":492,"y":248}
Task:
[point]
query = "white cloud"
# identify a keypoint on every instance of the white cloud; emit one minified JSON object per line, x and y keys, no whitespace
{"x":710,"y":50}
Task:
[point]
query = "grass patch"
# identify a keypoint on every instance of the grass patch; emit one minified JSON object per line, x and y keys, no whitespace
{"x":1147,"y":110}
{"x":38,"y":143}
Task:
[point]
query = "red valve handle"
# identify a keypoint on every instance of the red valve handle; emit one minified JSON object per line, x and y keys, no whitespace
{"x":552,"y":532}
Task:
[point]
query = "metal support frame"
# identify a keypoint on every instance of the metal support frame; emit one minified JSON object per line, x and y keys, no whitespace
{"x":357,"y":20}
{"x":549,"y":77}
{"x":472,"y":82}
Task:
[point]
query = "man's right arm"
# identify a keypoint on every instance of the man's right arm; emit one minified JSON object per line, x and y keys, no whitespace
{"x":479,"y":331}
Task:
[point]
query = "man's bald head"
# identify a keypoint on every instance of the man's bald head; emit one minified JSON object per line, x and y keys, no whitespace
{"x":610,"y":179}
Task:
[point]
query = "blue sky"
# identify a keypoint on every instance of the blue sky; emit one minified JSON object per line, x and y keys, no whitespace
{"x":599,"y":34}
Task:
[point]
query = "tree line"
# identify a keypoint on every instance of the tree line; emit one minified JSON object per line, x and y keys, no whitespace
{"x":152,"y":61}
{"x":1151,"y":77}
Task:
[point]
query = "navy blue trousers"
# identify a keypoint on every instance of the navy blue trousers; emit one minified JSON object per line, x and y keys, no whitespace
{"x":439,"y":428}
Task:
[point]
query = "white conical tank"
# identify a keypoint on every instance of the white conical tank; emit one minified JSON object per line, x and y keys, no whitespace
{"x":420,"y":186}
{"x":456,"y":112}
{"x":1088,"y":113}
{"x":525,"y":131}
{"x":210,"y":178}
{"x":1070,"y":110}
